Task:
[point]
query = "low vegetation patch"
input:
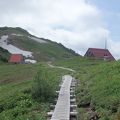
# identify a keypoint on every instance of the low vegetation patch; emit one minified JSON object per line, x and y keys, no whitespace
{"x":99,"y":88}
{"x":29,"y":92}
{"x":45,"y":84}
{"x":98,"y":92}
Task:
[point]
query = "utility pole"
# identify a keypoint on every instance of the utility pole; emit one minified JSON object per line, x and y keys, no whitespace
{"x":105,"y":43}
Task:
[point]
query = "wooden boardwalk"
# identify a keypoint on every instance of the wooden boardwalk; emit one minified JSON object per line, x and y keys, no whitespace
{"x":62,"y":108}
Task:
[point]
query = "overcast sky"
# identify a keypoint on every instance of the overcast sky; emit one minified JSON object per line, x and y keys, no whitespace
{"x":77,"y":24}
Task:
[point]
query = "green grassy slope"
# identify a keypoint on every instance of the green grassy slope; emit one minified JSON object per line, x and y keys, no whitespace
{"x":16,"y":84}
{"x":78,"y":63}
{"x":99,"y":86}
{"x":105,"y":89}
{"x":17,"y":73}
{"x":9,"y":30}
{"x":49,"y":51}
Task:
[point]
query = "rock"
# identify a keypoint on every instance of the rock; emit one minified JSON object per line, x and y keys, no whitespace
{"x":93,"y":115}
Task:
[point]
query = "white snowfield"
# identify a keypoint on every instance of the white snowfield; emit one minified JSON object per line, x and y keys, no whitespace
{"x":37,"y":39}
{"x":12,"y":49}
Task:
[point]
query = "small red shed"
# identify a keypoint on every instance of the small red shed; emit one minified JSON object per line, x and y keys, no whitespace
{"x":16,"y":58}
{"x":99,"y":54}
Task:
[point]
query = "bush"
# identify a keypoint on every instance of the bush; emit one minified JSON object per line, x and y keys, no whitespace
{"x":3,"y":59}
{"x":44,"y":86}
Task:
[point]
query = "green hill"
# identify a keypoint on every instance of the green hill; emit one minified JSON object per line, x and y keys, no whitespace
{"x":9,"y":30}
{"x":47,"y":51}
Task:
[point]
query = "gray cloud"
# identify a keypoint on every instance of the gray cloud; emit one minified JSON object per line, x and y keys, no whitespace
{"x":74,"y":23}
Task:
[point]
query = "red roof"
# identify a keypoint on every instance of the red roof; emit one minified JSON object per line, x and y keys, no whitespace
{"x":100,"y":53}
{"x":16,"y":58}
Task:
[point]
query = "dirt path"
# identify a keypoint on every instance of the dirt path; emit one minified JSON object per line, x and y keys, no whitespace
{"x":69,"y":69}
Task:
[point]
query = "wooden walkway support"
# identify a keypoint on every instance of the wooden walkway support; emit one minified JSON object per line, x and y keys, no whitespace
{"x":62,"y":108}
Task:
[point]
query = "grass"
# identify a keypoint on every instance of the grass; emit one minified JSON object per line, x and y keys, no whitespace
{"x":16,"y":85}
{"x":77,"y":63}
{"x":9,"y":30}
{"x":104,"y":88}
{"x":99,"y":84}
{"x":15,"y":81}
{"x":17,"y":73}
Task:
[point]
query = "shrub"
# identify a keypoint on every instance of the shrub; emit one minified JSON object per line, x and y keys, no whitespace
{"x":44,"y":86}
{"x":3,"y":59}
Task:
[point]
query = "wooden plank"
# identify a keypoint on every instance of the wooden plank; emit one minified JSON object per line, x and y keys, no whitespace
{"x":62,"y":108}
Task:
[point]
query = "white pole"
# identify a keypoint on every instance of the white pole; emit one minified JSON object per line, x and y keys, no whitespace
{"x":105,"y":43}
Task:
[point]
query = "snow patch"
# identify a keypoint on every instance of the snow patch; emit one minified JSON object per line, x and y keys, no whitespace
{"x":12,"y":49}
{"x":37,"y":39}
{"x":30,"y":61}
{"x":16,"y":34}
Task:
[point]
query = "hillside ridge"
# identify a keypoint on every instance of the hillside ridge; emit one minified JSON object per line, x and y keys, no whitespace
{"x":40,"y":48}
